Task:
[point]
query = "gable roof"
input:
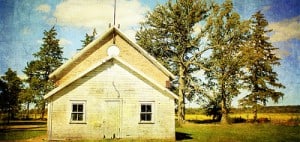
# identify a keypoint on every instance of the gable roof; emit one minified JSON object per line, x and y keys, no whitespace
{"x":59,"y":71}
{"x":128,"y":66}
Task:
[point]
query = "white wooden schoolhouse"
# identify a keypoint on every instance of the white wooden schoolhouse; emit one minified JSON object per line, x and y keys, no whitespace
{"x":112,"y":88}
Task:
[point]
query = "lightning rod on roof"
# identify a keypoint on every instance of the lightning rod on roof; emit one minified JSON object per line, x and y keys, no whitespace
{"x":114,"y":20}
{"x":115,"y":12}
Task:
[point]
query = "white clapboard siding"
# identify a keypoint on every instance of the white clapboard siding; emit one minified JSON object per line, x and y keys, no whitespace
{"x":111,"y":82}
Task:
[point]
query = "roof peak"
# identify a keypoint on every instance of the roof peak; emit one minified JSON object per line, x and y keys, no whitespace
{"x":119,"y":60}
{"x":58,"y":73}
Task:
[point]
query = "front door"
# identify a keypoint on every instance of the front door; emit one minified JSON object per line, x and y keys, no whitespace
{"x":111,"y":120}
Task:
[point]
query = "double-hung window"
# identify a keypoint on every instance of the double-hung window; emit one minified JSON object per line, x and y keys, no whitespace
{"x":78,"y":112}
{"x":146,"y":112}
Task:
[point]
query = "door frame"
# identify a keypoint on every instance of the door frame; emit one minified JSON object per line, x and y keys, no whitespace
{"x":119,"y":124}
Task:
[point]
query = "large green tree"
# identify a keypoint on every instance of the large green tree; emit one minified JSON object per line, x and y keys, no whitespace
{"x":46,"y":61}
{"x":11,"y":86}
{"x":168,"y":34}
{"x":260,"y":78}
{"x":226,"y":35}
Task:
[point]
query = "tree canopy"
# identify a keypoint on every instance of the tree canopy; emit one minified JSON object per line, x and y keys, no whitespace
{"x":46,"y":61}
{"x":223,"y":49}
{"x":168,"y":34}
{"x":88,"y":39}
{"x":226,"y":35}
{"x":260,"y":78}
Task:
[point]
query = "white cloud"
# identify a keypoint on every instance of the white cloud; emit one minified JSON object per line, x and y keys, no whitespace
{"x":64,"y":42}
{"x":98,"y":14}
{"x":51,"y":21}
{"x":44,"y":8}
{"x":281,"y":53}
{"x":26,"y":31}
{"x":265,"y":9}
{"x":130,"y":33}
{"x":285,"y":30}
{"x":39,"y":41}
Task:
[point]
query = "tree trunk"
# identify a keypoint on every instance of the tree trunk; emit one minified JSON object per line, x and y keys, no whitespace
{"x":27,"y":112}
{"x":181,"y":103}
{"x":8,"y":118}
{"x":255,"y":116}
{"x":224,"y":109}
{"x":255,"y":113}
{"x":43,"y":110}
{"x":8,"y":115}
{"x":256,"y":89}
{"x":225,"y":117}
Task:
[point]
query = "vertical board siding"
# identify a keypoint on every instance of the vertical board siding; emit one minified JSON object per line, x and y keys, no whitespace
{"x":112,"y":82}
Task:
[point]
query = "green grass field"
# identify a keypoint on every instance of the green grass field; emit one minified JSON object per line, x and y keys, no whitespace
{"x":278,"y":130}
{"x":21,"y":134}
{"x":22,"y":130}
{"x":244,"y":132}
{"x":194,"y":132}
{"x":274,"y":117}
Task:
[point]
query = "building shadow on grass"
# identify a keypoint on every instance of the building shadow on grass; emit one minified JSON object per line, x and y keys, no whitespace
{"x":182,"y":136}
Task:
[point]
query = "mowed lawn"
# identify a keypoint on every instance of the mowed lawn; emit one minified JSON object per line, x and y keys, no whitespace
{"x":193,"y":132}
{"x":22,"y":135}
{"x":23,"y":130}
{"x":242,"y":132}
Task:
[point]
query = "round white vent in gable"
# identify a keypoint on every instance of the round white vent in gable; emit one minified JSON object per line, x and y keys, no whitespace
{"x":113,"y":51}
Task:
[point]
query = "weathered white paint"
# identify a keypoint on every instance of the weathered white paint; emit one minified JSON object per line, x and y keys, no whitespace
{"x":128,"y":66}
{"x":111,"y":90}
{"x":112,"y":83}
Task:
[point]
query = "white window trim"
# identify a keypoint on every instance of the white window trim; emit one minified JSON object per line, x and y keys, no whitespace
{"x":152,"y":103}
{"x":83,"y":102}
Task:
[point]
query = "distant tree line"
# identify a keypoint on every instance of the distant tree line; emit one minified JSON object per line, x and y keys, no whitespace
{"x":270,"y":109}
{"x":263,"y":109}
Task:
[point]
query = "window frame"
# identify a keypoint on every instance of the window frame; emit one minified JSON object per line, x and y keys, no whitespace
{"x":78,"y":102}
{"x":152,"y":112}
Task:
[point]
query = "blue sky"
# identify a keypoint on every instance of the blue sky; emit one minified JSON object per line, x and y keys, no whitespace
{"x":23,"y":22}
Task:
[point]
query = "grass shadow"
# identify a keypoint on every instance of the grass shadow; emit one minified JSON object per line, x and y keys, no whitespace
{"x":206,"y":121}
{"x":182,"y":136}
{"x":21,"y":122}
{"x":23,"y":125}
{"x":210,"y":121}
